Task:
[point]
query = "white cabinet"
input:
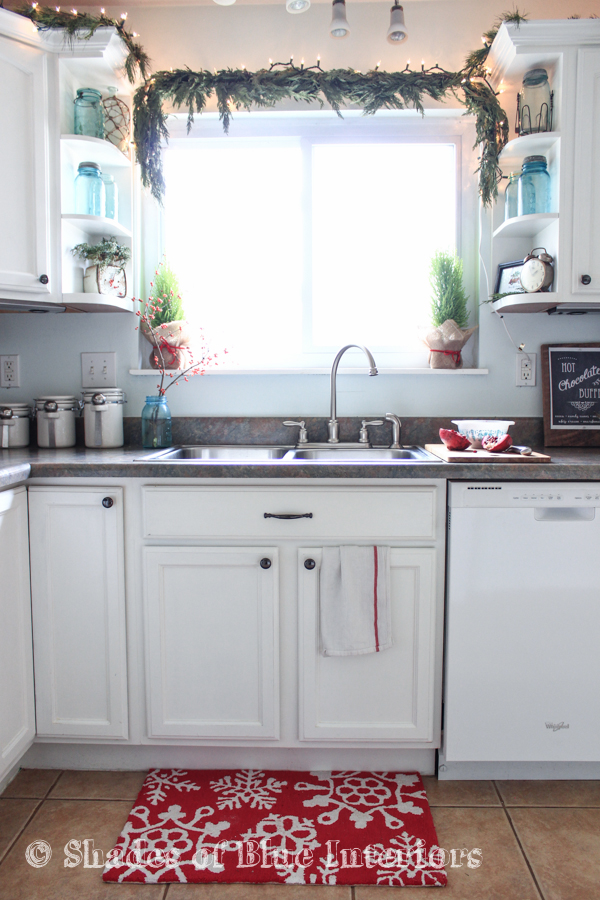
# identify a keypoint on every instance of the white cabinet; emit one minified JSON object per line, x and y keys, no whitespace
{"x":78,"y":605}
{"x":28,"y":269}
{"x":569,"y":50}
{"x":586,"y":225}
{"x":212,"y":641}
{"x":17,"y":715}
{"x":222,"y":632}
{"x":386,"y":696}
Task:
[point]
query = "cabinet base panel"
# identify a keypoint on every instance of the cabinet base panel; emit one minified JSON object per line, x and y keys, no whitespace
{"x":517,"y":771}
{"x":110,"y":757}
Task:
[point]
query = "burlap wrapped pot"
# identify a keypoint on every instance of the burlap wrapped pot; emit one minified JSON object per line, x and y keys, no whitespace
{"x":445,"y":344}
{"x":174,"y":341}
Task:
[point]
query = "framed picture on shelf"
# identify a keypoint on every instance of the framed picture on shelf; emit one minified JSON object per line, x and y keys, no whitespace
{"x":508,"y":279}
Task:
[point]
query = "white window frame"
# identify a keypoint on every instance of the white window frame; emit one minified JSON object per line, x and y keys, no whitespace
{"x":443,"y":125}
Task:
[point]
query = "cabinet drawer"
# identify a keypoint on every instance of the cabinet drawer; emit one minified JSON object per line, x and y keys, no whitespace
{"x":340,"y":513}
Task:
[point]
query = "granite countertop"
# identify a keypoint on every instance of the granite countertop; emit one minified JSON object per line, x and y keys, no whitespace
{"x":16,"y":466}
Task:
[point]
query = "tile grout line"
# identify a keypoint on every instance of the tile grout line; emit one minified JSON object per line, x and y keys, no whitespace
{"x":518,"y":840}
{"x":35,"y":810}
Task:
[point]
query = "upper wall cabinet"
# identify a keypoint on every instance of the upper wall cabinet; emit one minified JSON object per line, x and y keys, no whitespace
{"x":569,"y":228}
{"x":40,"y":75}
{"x":28,"y":261}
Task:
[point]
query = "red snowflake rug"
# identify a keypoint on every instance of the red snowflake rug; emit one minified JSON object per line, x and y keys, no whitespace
{"x":279,"y":827}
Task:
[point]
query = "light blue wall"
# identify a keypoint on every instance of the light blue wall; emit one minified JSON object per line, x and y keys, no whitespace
{"x":50,"y":347}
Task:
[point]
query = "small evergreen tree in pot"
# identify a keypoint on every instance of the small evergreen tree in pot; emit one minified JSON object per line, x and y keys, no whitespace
{"x":449,"y":312}
{"x":164,"y":324}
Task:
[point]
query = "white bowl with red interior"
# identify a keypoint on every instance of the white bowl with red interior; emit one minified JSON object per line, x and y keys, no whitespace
{"x":476,"y":429}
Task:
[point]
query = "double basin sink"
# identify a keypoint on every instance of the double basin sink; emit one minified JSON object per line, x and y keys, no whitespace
{"x":339,"y":453}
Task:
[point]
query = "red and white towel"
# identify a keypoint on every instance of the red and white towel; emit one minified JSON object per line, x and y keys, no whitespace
{"x":355,"y":600}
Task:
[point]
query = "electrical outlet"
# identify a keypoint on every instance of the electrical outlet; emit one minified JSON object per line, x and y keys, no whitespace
{"x":526,"y":369}
{"x":98,"y":370}
{"x":9,"y":372}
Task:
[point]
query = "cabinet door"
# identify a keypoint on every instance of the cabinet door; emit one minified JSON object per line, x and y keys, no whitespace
{"x":78,"y":605}
{"x":212,"y":642}
{"x":387,"y":696}
{"x":24,"y":172}
{"x":17,"y":715}
{"x":586,"y":212}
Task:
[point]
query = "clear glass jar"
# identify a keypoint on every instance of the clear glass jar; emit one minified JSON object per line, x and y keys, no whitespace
{"x":111,"y":197}
{"x":511,"y":196}
{"x":534,"y":186}
{"x":156,"y":423}
{"x":88,"y":113}
{"x":90,"y":194}
{"x":535,"y":103}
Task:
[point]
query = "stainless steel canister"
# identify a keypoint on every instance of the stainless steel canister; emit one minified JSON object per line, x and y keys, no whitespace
{"x":103,"y":417}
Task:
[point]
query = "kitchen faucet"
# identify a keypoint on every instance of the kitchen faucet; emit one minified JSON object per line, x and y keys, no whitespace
{"x":333,"y":424}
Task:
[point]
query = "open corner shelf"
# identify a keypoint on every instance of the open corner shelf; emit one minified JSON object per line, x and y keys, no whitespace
{"x":82,"y":147}
{"x":96,"y":226}
{"x":525,"y":226}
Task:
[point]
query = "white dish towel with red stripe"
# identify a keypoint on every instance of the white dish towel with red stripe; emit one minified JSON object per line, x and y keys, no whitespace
{"x":354,"y":587}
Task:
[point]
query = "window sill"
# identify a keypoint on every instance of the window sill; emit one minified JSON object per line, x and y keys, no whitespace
{"x":323,"y":371}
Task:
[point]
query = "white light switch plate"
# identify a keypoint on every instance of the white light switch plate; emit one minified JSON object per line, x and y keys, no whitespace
{"x":99,"y":370}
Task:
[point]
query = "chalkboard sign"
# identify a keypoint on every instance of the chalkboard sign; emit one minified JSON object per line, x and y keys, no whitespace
{"x":571,"y":388}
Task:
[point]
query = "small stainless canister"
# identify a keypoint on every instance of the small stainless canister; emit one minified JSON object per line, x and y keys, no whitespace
{"x":14,"y":425}
{"x":56,"y":420}
{"x":103,"y":417}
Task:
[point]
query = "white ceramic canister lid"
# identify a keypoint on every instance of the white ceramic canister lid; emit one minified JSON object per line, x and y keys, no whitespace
{"x":18,"y":409}
{"x":63,"y":401}
{"x":106,"y":395}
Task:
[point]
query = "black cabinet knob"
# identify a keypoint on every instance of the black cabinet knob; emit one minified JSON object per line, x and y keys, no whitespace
{"x":586,"y":279}
{"x":107,"y":502}
{"x":265,"y":563}
{"x":44,"y":279}
{"x":309,"y":563}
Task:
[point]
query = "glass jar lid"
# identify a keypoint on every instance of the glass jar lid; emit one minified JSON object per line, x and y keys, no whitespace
{"x":534,"y":159}
{"x":89,"y":165}
{"x":91,"y":93}
{"x":535,"y":77}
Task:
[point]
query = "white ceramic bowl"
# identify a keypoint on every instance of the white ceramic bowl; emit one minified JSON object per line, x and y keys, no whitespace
{"x":476,"y":429}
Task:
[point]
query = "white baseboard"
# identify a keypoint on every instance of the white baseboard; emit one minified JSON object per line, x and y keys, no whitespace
{"x":517,"y":771}
{"x":111,"y":757}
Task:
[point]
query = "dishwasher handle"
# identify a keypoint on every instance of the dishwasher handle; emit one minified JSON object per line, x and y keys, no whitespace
{"x":566,"y":514}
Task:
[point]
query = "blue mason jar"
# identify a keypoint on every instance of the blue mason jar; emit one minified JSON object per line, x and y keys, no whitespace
{"x":88,"y":113}
{"x":112,"y":197}
{"x":156,"y":423}
{"x":511,"y":196}
{"x":534,"y":186}
{"x":89,"y":190}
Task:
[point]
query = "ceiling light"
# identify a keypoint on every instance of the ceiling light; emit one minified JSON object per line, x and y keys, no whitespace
{"x":297,"y":6}
{"x":339,"y":27}
{"x":397,"y":30}
{"x":224,"y":2}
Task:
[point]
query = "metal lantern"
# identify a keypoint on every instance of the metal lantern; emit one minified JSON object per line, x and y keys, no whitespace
{"x":117,"y":120}
{"x":534,"y":103}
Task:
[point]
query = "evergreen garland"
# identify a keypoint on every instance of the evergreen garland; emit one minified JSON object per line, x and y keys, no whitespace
{"x":239,"y":89}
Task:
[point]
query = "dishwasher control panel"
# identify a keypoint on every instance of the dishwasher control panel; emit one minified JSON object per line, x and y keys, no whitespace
{"x":517,"y":494}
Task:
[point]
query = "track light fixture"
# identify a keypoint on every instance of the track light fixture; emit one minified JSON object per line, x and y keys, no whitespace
{"x":297,"y":6}
{"x":397,"y":30}
{"x":339,"y":27}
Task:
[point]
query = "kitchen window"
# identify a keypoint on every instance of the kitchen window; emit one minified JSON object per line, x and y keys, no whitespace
{"x":299,"y":233}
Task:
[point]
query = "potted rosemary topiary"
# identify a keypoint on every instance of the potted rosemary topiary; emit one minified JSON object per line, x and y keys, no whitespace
{"x":104,"y":272}
{"x":449,"y":313}
{"x":164,"y":324}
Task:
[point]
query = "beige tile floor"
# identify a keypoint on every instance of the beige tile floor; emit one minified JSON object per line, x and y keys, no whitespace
{"x":540,"y":840}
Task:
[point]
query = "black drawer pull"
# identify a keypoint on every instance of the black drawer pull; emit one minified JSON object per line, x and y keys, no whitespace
{"x":288,"y":516}
{"x":265,"y":563}
{"x":309,"y":563}
{"x":107,"y":502}
{"x":586,"y":279}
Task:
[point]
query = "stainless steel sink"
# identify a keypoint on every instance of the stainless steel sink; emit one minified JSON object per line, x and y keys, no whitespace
{"x":364,"y":454}
{"x":199,"y":454}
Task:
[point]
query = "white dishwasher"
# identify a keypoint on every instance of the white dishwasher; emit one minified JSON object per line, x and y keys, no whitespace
{"x":522,"y":669}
